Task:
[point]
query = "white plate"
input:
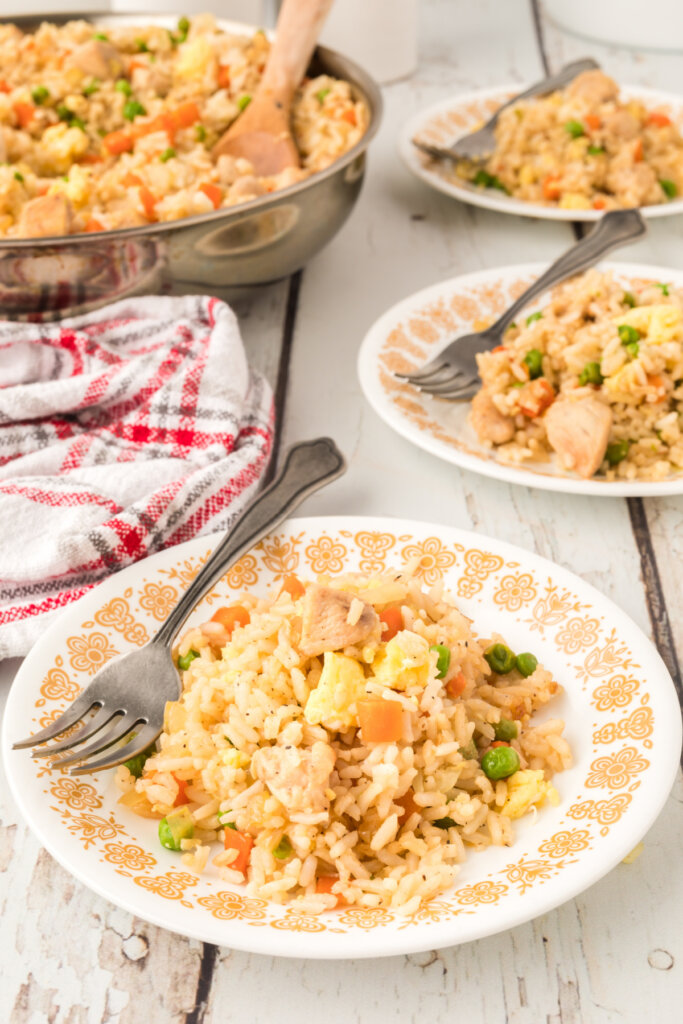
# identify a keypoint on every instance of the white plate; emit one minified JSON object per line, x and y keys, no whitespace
{"x":413,"y":330}
{"x":449,"y":119}
{"x":619,"y":704}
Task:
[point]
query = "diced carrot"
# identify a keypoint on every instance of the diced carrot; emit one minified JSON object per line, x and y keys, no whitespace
{"x":134,"y":64}
{"x":392,"y":622}
{"x":293,"y":586}
{"x":5,"y":86}
{"x":325,"y":884}
{"x":131,"y":180}
{"x":658,"y":119}
{"x":655,"y":380}
{"x":94,"y":225}
{"x":593,"y":121}
{"x":213,"y":192}
{"x":381,"y":721}
{"x":223,"y":76}
{"x":408,"y":805}
{"x":233,"y":615}
{"x":117,"y":142}
{"x":500,"y":743}
{"x":349,"y":116}
{"x":182,"y":797}
{"x":535,"y":397}
{"x":149,"y":201}
{"x":185,"y":115}
{"x":242,"y":842}
{"x":600,"y":203}
{"x":638,"y":151}
{"x":24,"y":113}
{"x":456,"y":685}
{"x":551,"y":187}
{"x":498,"y":348}
{"x":90,"y":158}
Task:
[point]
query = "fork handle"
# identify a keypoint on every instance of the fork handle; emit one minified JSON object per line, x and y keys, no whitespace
{"x":307,"y":467}
{"x":547,"y":85}
{"x":613,"y":230}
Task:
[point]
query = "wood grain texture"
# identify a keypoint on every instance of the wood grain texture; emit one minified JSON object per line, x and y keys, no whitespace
{"x":611,"y":956}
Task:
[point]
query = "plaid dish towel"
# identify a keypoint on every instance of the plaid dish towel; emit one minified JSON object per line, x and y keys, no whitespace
{"x":122,"y":432}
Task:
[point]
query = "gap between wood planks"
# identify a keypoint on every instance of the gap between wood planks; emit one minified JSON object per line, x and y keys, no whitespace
{"x":654,"y":593}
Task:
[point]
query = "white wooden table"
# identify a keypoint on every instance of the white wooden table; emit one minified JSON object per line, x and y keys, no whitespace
{"x":612,"y":955}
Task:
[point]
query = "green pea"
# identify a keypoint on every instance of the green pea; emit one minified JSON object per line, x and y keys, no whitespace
{"x":63,"y":113}
{"x":141,"y":46}
{"x":534,"y":316}
{"x":526,"y":663}
{"x":200,"y":132}
{"x":321,"y":94}
{"x":244,"y":101}
{"x":101,"y":35}
{"x":596,"y":150}
{"x":91,"y":88}
{"x":40,"y":94}
{"x":628,"y":334}
{"x":443,"y":659}
{"x":444,"y":823}
{"x":183,"y":25}
{"x":18,"y":176}
{"x":500,"y":658}
{"x":533,"y":360}
{"x":167,"y":154}
{"x":283,"y":850}
{"x":505,"y":730}
{"x":135,"y":765}
{"x":185,"y":660}
{"x":575,"y":129}
{"x":124,"y":86}
{"x":617,"y":452}
{"x":174,"y":828}
{"x":77,"y":123}
{"x":664,"y":288}
{"x":633,"y":348}
{"x":486,"y":180}
{"x":669,"y":188}
{"x":500,"y":762}
{"x":591,"y":374}
{"x":629,"y":299}
{"x":133,"y":109}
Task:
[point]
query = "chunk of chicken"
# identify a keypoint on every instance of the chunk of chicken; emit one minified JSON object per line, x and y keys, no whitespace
{"x":578,"y":431}
{"x":98,"y":59}
{"x":489,"y":423}
{"x":46,"y":216}
{"x":298,"y":778}
{"x":621,"y":125}
{"x":638,"y":182}
{"x":325,"y":621}
{"x":594,"y":86}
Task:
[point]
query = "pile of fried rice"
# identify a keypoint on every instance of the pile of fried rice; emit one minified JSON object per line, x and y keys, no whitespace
{"x":596,"y":376}
{"x":333,"y":735}
{"x":104,"y":128}
{"x":584,"y":148}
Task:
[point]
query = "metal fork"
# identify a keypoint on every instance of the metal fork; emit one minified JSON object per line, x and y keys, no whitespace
{"x":453,"y":372}
{"x":130,"y":692}
{"x":481,"y":143}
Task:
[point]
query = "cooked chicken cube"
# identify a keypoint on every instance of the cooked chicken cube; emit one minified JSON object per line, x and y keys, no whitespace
{"x":489,"y":423}
{"x":578,"y":430}
{"x":46,"y":216}
{"x":594,"y":86}
{"x":97,"y":59}
{"x":298,"y":778}
{"x":329,"y":622}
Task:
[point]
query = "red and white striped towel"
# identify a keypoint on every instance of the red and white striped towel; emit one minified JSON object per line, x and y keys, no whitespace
{"x":121,"y":432}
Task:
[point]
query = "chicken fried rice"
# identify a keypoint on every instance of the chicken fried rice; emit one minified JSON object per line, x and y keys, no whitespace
{"x":595,"y":376}
{"x":348,"y":741}
{"x":103,"y":129}
{"x":584,"y":148}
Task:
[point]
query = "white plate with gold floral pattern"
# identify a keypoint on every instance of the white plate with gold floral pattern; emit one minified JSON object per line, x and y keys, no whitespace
{"x":619,"y":706}
{"x":411,"y":332}
{"x":449,"y":119}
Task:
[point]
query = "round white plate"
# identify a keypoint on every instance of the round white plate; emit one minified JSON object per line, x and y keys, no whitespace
{"x":449,"y":119}
{"x":414,"y":330}
{"x":619,"y":704}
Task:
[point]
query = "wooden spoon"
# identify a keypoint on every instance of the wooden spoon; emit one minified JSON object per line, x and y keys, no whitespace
{"x":262,"y":133}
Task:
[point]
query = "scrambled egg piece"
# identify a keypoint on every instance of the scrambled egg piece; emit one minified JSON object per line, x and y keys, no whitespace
{"x":195,"y":59}
{"x":234,"y":758}
{"x":404,"y":661}
{"x":574,"y":201}
{"x":526,"y":789}
{"x":61,"y":145}
{"x":658,"y":323}
{"x":76,"y":189}
{"x":624,"y":385}
{"x":333,"y":702}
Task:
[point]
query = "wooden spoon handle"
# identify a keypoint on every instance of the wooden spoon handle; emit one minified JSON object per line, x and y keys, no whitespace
{"x":298,"y":27}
